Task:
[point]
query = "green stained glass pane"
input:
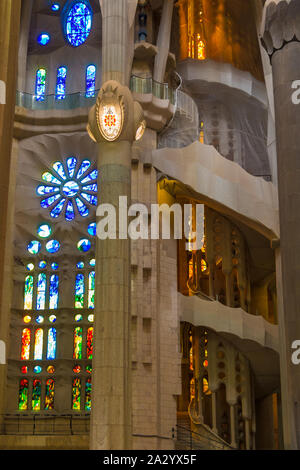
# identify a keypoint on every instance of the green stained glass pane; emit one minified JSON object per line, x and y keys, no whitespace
{"x":36,"y":395}
{"x":28,"y":293}
{"x":91,"y":301}
{"x":76,"y":394}
{"x":49,"y":396}
{"x":77,"y":353}
{"x":79,"y":291}
{"x":23,"y":395}
{"x":88,"y":394}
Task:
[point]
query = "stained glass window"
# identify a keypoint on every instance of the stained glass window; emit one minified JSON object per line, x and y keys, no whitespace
{"x":44,"y":230}
{"x":49,"y":395}
{"x":69,"y":191}
{"x":84,"y":245}
{"x":28,"y":293}
{"x":90,"y":81}
{"x":36,"y":395}
{"x":53,"y":299}
{"x":78,"y":24}
{"x":37,"y":369}
{"x":41,"y":292}
{"x":43,"y":39}
{"x":61,"y":83}
{"x":38,"y":345}
{"x":25,"y":349}
{"x":23,"y":394}
{"x":88,"y":394}
{"x":34,"y":247}
{"x":76,"y":394}
{"x":89,"y":343}
{"x":77,"y":353}
{"x":79,"y":291}
{"x":52,"y":246}
{"x":91,"y":302}
{"x":51,"y":347}
{"x":40,"y":84}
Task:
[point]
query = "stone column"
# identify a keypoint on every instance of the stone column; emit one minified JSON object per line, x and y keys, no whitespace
{"x":163,"y":41}
{"x":9,"y":31}
{"x":281,"y":38}
{"x":23,"y":43}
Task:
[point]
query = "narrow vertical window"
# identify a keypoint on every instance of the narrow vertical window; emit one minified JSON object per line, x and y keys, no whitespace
{"x":61,"y":83}
{"x":53,"y":299}
{"x":77,"y":353}
{"x":79,"y":291}
{"x":38,"y":345}
{"x":36,"y":395}
{"x":28,"y":293}
{"x":41,"y":292}
{"x":49,"y":395}
{"x":25,"y":351}
{"x":40,"y":84}
{"x":91,"y":300}
{"x":88,"y":394}
{"x":89,"y":343}
{"x":76,"y":394}
{"x":90,"y":81}
{"x":51,"y":346}
{"x":23,"y":395}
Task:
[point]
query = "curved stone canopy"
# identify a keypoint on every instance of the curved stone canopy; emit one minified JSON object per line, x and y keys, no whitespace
{"x":224,"y":184}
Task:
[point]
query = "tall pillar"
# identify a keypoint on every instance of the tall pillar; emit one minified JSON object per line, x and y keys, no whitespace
{"x":163,"y":41}
{"x":114,"y":123}
{"x":9,"y":31}
{"x":281,"y":38}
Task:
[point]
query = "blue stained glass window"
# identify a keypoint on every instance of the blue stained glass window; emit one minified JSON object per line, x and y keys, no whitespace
{"x":70,"y":214}
{"x":69,"y":189}
{"x":93,"y":262}
{"x":45,"y":203}
{"x":43,"y":39}
{"x":40,"y":84}
{"x":42,"y":264}
{"x":54,"y":266}
{"x":50,"y":178}
{"x":78,"y":24}
{"x":43,"y":190}
{"x":52,"y":246}
{"x":53,"y":299}
{"x":83,"y":167}
{"x":79,"y":291}
{"x":61,"y":83}
{"x":51,"y":346}
{"x":92,"y":176}
{"x":90,"y":81}
{"x":37,"y":369}
{"x":91,"y":299}
{"x":89,"y":198}
{"x":59,"y":168}
{"x":55,"y":6}
{"x":39,"y":319}
{"x":41,"y":292}
{"x":92,"y":229}
{"x":80,"y":265}
{"x":34,"y":247}
{"x":58,"y":209}
{"x":82,"y":209}
{"x":71,"y":164}
{"x":44,"y":231}
{"x":84,"y":245}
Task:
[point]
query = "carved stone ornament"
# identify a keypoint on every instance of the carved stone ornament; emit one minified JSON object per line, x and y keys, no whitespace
{"x":280,"y":24}
{"x":115,"y":116}
{"x":110,"y":113}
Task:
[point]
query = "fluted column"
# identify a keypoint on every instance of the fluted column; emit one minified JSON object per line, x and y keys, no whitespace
{"x":281,"y":38}
{"x":9,"y":31}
